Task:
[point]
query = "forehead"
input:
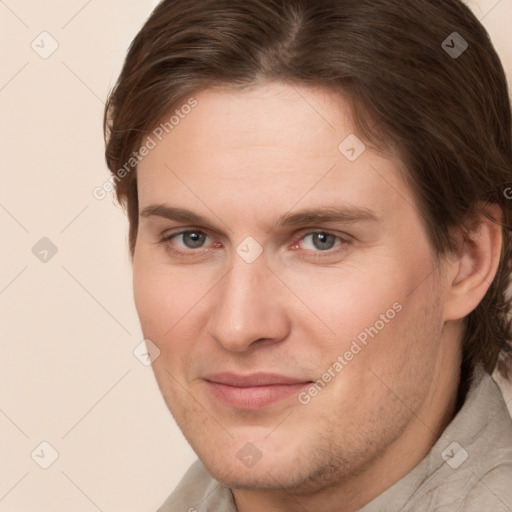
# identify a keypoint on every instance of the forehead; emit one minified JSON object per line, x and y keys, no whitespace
{"x":273,"y":143}
{"x":271,"y":115}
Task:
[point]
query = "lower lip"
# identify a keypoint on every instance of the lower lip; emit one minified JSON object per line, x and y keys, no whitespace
{"x":255,"y":397}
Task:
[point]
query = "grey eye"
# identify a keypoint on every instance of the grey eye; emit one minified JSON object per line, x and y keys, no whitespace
{"x":193,"y":239}
{"x":323,"y":241}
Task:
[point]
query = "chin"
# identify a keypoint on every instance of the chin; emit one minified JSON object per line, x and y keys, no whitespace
{"x":264,"y":475}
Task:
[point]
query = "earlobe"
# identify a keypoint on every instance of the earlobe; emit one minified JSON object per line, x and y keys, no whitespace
{"x":475,"y":267}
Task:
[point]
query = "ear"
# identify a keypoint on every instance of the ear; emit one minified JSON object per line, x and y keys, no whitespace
{"x":473,"y":269}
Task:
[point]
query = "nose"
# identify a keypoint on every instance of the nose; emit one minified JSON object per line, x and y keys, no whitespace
{"x":249,"y":308}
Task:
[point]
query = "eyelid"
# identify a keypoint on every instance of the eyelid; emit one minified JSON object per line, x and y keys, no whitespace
{"x":169,"y":235}
{"x":185,"y":254}
{"x":344,"y":238}
{"x":337,"y":251}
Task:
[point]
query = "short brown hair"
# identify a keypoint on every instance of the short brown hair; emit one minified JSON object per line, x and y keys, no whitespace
{"x":449,"y":115}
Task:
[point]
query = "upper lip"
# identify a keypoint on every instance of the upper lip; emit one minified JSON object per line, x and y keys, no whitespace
{"x":253,"y":380}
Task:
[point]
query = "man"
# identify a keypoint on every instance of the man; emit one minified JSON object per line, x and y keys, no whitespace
{"x":321,"y":249}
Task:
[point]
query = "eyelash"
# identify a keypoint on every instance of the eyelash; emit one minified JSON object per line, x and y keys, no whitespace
{"x":194,"y":253}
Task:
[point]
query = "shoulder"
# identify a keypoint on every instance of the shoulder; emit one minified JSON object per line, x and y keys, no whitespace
{"x":492,"y":489}
{"x":470,"y":467}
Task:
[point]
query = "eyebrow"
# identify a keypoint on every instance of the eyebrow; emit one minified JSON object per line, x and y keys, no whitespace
{"x":172,"y":213}
{"x":324,"y":214}
{"x":345,"y":214}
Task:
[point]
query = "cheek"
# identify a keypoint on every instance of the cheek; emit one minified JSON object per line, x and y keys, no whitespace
{"x":160,"y":306}
{"x":168,"y":299}
{"x":343,"y":302}
{"x":149,"y":293}
{"x":370,"y":318}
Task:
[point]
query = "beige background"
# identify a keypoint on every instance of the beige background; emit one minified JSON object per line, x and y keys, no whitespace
{"x":68,"y":373}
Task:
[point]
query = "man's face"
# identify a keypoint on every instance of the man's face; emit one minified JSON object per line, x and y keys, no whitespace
{"x":311,"y":360}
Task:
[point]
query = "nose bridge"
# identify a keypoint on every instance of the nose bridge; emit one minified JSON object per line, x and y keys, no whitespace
{"x":241,"y":290}
{"x":247,"y":307}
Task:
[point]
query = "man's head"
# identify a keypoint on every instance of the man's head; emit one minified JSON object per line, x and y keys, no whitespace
{"x":321,"y":198}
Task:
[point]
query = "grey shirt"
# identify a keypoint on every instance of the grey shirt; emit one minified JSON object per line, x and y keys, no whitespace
{"x":469,"y":469}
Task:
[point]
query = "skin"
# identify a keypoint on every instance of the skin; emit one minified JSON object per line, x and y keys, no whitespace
{"x":241,"y":160}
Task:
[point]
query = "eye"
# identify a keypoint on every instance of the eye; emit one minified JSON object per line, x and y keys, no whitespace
{"x":322,"y":245}
{"x":320,"y":241}
{"x":192,"y":239}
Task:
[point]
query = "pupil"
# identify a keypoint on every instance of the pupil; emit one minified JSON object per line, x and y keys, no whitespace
{"x":193,"y":240}
{"x":323,"y":241}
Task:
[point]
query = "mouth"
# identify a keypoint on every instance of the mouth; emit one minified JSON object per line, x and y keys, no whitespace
{"x":252,"y":392}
